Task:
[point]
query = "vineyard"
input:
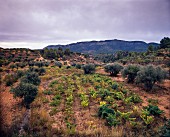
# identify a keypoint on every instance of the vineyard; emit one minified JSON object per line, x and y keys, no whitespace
{"x":44,"y":97}
{"x":94,"y":105}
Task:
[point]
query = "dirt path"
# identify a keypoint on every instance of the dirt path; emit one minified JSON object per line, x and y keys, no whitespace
{"x":25,"y":121}
{"x":7,"y":107}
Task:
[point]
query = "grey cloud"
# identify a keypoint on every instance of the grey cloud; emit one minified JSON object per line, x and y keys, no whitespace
{"x":75,"y":20}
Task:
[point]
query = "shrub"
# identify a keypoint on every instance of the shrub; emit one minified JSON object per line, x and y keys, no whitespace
{"x":109,"y":114}
{"x":84,"y":100}
{"x":165,"y":43}
{"x":67,"y":67}
{"x":119,"y":96}
{"x":31,"y":77}
{"x":115,"y":86}
{"x":20,"y":73}
{"x":73,"y":64}
{"x":153,"y":101}
{"x":12,"y":66}
{"x":113,"y":69}
{"x":41,"y":71}
{"x":130,"y":72}
{"x":47,"y":64}
{"x":78,"y":66}
{"x":22,"y":65}
{"x":89,"y":69}
{"x":31,"y":63}
{"x":132,"y":98}
{"x":149,"y":75}
{"x":10,"y":79}
{"x":47,"y":92}
{"x":104,"y":111}
{"x":103,"y":93}
{"x":135,"y":98}
{"x":55,"y":103}
{"x":39,"y":64}
{"x":112,"y":120}
{"x":27,"y":91}
{"x":59,"y":64}
{"x":154,"y":110}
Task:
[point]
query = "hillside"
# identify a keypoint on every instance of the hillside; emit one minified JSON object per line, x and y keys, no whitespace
{"x":107,"y":46}
{"x":68,"y":102}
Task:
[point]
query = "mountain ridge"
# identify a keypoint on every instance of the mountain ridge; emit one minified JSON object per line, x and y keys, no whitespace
{"x":105,"y":46}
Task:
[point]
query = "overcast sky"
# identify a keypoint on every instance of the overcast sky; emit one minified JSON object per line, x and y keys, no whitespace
{"x":37,"y":23}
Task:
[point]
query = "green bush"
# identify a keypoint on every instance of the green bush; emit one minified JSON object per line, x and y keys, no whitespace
{"x":67,"y":67}
{"x":78,"y":66}
{"x":59,"y":64}
{"x":12,"y":66}
{"x":112,"y":120}
{"x":27,"y":91}
{"x":153,"y":101}
{"x":10,"y":79}
{"x":149,"y":75}
{"x":103,"y":93}
{"x":20,"y":73}
{"x":113,"y":69}
{"x":109,"y":114}
{"x":22,"y":65}
{"x":115,"y":86}
{"x":135,"y":98}
{"x":132,"y":98}
{"x":154,"y":110}
{"x":89,"y":68}
{"x":165,"y":43}
{"x":39,"y":64}
{"x":55,"y":103}
{"x":31,"y":63}
{"x":31,"y":77}
{"x":130,"y":72}
{"x":119,"y":96}
{"x":47,"y":92}
{"x":41,"y":71}
{"x":57,"y":97}
{"x":47,"y":64}
{"x":104,"y":111}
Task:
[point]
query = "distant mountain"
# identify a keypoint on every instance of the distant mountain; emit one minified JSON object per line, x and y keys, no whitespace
{"x":106,"y":46}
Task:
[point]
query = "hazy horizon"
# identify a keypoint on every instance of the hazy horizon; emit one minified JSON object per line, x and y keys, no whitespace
{"x":35,"y":24}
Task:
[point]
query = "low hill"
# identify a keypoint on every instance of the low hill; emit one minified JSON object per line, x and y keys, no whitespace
{"x":107,"y":46}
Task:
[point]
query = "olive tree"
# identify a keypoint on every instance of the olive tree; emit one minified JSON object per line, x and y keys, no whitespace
{"x":59,"y":64}
{"x":165,"y":43}
{"x":26,"y":91}
{"x":89,"y":68}
{"x":31,"y":77}
{"x":149,"y":75}
{"x":130,"y":72}
{"x":113,"y":69}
